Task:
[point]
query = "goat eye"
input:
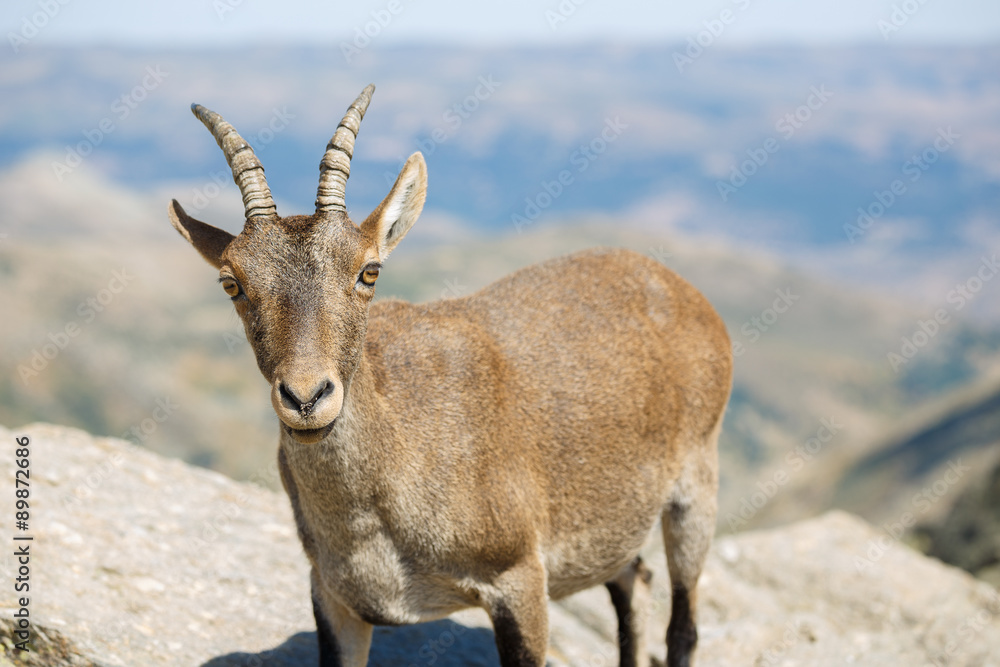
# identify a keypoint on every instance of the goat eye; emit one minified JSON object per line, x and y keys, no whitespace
{"x":369,"y":275}
{"x":232,"y":287}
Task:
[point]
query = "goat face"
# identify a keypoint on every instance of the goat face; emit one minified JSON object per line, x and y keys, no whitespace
{"x":302,"y":284}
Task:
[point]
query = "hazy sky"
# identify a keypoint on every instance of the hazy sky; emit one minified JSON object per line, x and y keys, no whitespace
{"x":207,"y":22}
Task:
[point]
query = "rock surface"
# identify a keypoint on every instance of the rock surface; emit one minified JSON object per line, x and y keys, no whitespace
{"x":141,"y":560}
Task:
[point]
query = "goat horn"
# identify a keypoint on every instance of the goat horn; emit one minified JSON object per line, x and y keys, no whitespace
{"x":335,"y":168}
{"x":247,"y":169}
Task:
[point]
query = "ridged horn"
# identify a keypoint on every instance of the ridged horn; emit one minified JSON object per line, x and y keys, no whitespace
{"x":335,"y":167}
{"x":247,"y":169}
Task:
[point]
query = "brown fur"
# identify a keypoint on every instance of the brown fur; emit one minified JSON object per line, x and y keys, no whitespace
{"x":498,"y":450}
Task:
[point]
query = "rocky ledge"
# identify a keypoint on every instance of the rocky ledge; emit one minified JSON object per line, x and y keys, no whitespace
{"x":141,"y":560}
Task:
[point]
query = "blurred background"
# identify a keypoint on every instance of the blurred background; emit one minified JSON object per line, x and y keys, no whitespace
{"x":828,"y":173}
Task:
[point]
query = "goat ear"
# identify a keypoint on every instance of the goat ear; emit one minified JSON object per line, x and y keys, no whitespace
{"x":388,"y":223}
{"x":208,"y":240}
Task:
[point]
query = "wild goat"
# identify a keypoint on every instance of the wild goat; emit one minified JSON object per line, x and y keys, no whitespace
{"x":496,"y":451}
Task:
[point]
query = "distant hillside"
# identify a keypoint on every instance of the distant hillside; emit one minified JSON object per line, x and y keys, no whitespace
{"x":168,"y":336}
{"x":965,"y":427}
{"x":968,"y":536}
{"x":940,"y":478}
{"x":638,"y":139}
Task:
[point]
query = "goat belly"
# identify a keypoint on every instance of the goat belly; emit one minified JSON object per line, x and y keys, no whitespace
{"x":374,"y":582}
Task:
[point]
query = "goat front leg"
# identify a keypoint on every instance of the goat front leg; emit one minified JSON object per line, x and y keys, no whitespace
{"x":344,"y":640}
{"x":520,"y":615}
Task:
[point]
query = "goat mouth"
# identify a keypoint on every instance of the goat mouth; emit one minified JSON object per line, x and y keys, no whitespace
{"x":308,"y":436}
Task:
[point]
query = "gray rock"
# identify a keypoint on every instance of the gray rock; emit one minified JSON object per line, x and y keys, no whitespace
{"x":142,"y":560}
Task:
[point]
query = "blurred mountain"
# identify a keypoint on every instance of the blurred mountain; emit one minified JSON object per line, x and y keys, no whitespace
{"x":637,"y":137}
{"x":939,"y":478}
{"x":119,"y":317}
{"x":968,"y":536}
{"x":965,"y":428}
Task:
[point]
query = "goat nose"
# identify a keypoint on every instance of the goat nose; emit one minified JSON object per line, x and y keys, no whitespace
{"x":290,"y":396}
